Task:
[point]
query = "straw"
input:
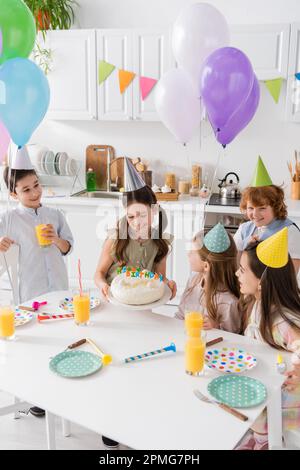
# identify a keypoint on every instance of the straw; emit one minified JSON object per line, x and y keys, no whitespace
{"x":171,"y":347}
{"x":79,"y":278}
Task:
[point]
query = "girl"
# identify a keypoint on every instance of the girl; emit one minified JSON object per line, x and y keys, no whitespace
{"x":134,"y":241}
{"x":266,"y":210}
{"x":213,"y":287}
{"x":272,"y":316}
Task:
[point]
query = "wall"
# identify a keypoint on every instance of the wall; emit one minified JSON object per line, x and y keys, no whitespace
{"x":268,"y":134}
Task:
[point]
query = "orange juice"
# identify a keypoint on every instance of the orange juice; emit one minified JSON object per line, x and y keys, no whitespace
{"x":193,"y":323}
{"x":194,"y":356}
{"x":81,"y":305}
{"x":7,"y":322}
{"x":39,"y":234}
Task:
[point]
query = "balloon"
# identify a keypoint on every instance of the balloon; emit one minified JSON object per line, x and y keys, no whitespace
{"x":178,"y":105}
{"x":198,"y":31}
{"x":24,"y":98}
{"x":18,"y":29}
{"x":242,"y":116}
{"x":4,"y":141}
{"x":226,"y":82}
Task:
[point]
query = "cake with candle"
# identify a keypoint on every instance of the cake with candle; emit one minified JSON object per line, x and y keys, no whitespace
{"x":133,"y":286}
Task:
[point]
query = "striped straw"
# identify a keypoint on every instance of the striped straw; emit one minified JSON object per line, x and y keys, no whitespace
{"x":172,"y":347}
{"x":79,"y":278}
{"x":47,"y":317}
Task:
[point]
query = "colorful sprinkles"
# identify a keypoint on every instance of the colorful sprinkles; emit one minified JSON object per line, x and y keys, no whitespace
{"x":229,"y":360}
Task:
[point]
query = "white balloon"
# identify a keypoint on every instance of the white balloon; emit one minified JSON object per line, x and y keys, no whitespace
{"x":177,"y":104}
{"x":197,"y":32}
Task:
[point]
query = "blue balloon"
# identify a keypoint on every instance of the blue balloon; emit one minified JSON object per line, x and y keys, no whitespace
{"x":24,"y":98}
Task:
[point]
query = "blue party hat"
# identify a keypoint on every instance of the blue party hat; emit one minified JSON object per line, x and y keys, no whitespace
{"x":217,"y":239}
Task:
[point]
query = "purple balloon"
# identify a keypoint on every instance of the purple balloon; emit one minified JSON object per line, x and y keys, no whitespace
{"x":241,"y":117}
{"x":226,"y":82}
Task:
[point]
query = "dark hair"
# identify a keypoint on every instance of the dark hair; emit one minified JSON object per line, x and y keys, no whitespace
{"x":145,"y":196}
{"x":270,"y":195}
{"x":12,"y":177}
{"x":279,"y":291}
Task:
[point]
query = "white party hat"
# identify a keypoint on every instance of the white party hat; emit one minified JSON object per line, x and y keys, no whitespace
{"x":20,"y":159}
{"x":132,"y":180}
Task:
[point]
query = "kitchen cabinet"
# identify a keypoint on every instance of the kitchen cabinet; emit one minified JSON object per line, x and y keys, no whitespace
{"x":144,"y":52}
{"x":72,"y":78}
{"x":266,"y":45}
{"x":293,"y":85}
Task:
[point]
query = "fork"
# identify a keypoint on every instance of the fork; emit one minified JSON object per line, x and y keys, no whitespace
{"x":225,"y":407}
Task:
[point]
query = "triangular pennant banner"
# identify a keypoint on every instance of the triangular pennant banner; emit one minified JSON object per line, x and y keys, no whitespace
{"x":274,"y":87}
{"x":146,"y":85}
{"x":105,"y":69}
{"x":125,"y":78}
{"x":297,"y":76}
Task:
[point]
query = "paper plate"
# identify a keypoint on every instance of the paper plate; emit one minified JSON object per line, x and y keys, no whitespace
{"x":238,"y":391}
{"x":22,"y":317}
{"x":229,"y":360}
{"x":165,"y":298}
{"x":66,"y":304}
{"x":75,"y":363}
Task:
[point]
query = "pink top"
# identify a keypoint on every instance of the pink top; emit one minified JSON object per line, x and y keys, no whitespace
{"x":193,"y":298}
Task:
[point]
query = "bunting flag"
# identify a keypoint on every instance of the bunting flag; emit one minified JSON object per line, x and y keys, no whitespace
{"x":297,"y":76}
{"x":105,"y":69}
{"x":146,"y":85}
{"x":274,"y":87}
{"x":125,"y":78}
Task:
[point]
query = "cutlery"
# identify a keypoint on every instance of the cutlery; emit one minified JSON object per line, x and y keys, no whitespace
{"x":289,"y":164}
{"x":106,"y":358}
{"x":227,"y":408}
{"x":214,"y":341}
{"x":29,"y":309}
{"x":73,"y":346}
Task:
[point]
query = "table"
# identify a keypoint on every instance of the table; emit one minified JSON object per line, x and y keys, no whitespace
{"x":145,"y":405}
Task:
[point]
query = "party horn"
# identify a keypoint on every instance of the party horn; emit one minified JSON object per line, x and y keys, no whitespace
{"x":47,"y":316}
{"x":106,"y":358}
{"x":172,"y":347}
{"x":36,"y":305}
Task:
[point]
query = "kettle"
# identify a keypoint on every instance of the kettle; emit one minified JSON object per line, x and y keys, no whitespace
{"x":229,"y":190}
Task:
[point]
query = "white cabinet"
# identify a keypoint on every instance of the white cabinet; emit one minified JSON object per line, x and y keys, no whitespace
{"x":145,"y":53}
{"x":293,"y":85}
{"x":72,"y":78}
{"x":266,"y":45}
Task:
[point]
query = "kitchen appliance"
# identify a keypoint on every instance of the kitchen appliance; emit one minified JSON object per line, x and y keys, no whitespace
{"x":217,"y":200}
{"x":99,"y":158}
{"x":229,"y":189}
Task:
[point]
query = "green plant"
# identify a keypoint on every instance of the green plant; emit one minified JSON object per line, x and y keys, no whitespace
{"x":42,"y":57}
{"x":52,"y":14}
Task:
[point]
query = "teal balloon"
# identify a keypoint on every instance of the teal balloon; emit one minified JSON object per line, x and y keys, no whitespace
{"x":18,"y":29}
{"x":24,"y":98}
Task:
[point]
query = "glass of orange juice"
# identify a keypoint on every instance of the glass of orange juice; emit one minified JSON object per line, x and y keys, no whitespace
{"x":81,"y":305}
{"x":194,"y":354}
{"x":42,"y":241}
{"x":193,"y":322}
{"x":7,"y":322}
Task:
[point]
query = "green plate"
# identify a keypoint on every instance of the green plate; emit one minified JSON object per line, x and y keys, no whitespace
{"x":238,"y":391}
{"x":75,"y":363}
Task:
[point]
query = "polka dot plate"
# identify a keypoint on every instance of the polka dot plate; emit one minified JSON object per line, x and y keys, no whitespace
{"x":67,"y":304}
{"x":229,"y":360}
{"x":75,"y":363}
{"x":238,"y":391}
{"x":22,"y":317}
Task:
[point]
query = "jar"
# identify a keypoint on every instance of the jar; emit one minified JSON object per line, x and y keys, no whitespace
{"x":183,"y":185}
{"x":196,"y":176}
{"x":170,"y":180}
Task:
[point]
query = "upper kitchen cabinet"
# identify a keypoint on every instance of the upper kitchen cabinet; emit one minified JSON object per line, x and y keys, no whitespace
{"x":72,"y":78}
{"x":145,"y":53}
{"x":293,"y":85}
{"x":266,"y":45}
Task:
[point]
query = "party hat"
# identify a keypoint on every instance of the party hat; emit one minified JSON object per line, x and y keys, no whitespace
{"x":261,"y":177}
{"x":273,"y":251}
{"x":217,"y":239}
{"x":132,"y":180}
{"x":20,"y":159}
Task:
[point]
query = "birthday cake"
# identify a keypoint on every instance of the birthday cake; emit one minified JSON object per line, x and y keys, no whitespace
{"x":133,"y":286}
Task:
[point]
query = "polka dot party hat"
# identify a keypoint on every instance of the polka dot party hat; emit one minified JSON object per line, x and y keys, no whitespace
{"x":217,"y":239}
{"x":273,"y":251}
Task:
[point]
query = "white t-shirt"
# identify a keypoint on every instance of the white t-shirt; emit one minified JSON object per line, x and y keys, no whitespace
{"x":293,"y":240}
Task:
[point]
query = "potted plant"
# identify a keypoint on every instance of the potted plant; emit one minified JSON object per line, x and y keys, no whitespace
{"x":52,"y":14}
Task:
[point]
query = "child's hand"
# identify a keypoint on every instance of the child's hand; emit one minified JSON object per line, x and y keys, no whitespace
{"x":5,"y":244}
{"x":293,"y":378}
{"x":208,"y":323}
{"x":173,"y":287}
{"x":49,"y":233}
{"x":104,"y":289}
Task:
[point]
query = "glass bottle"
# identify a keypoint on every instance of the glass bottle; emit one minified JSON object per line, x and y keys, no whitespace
{"x":91,"y":180}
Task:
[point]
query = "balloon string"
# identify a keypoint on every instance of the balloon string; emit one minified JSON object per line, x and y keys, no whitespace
{"x":221,"y":152}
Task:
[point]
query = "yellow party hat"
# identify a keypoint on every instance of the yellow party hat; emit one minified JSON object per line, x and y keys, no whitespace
{"x":273,"y":251}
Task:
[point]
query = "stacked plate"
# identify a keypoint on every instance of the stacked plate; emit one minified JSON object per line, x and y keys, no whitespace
{"x":48,"y":163}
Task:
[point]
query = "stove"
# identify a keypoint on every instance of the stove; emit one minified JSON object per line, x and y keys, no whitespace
{"x":216,"y":200}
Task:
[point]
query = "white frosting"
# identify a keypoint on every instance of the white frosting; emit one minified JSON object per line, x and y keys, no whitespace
{"x":136,"y":290}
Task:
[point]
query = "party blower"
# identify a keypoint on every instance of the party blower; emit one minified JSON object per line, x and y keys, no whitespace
{"x":172,"y":347}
